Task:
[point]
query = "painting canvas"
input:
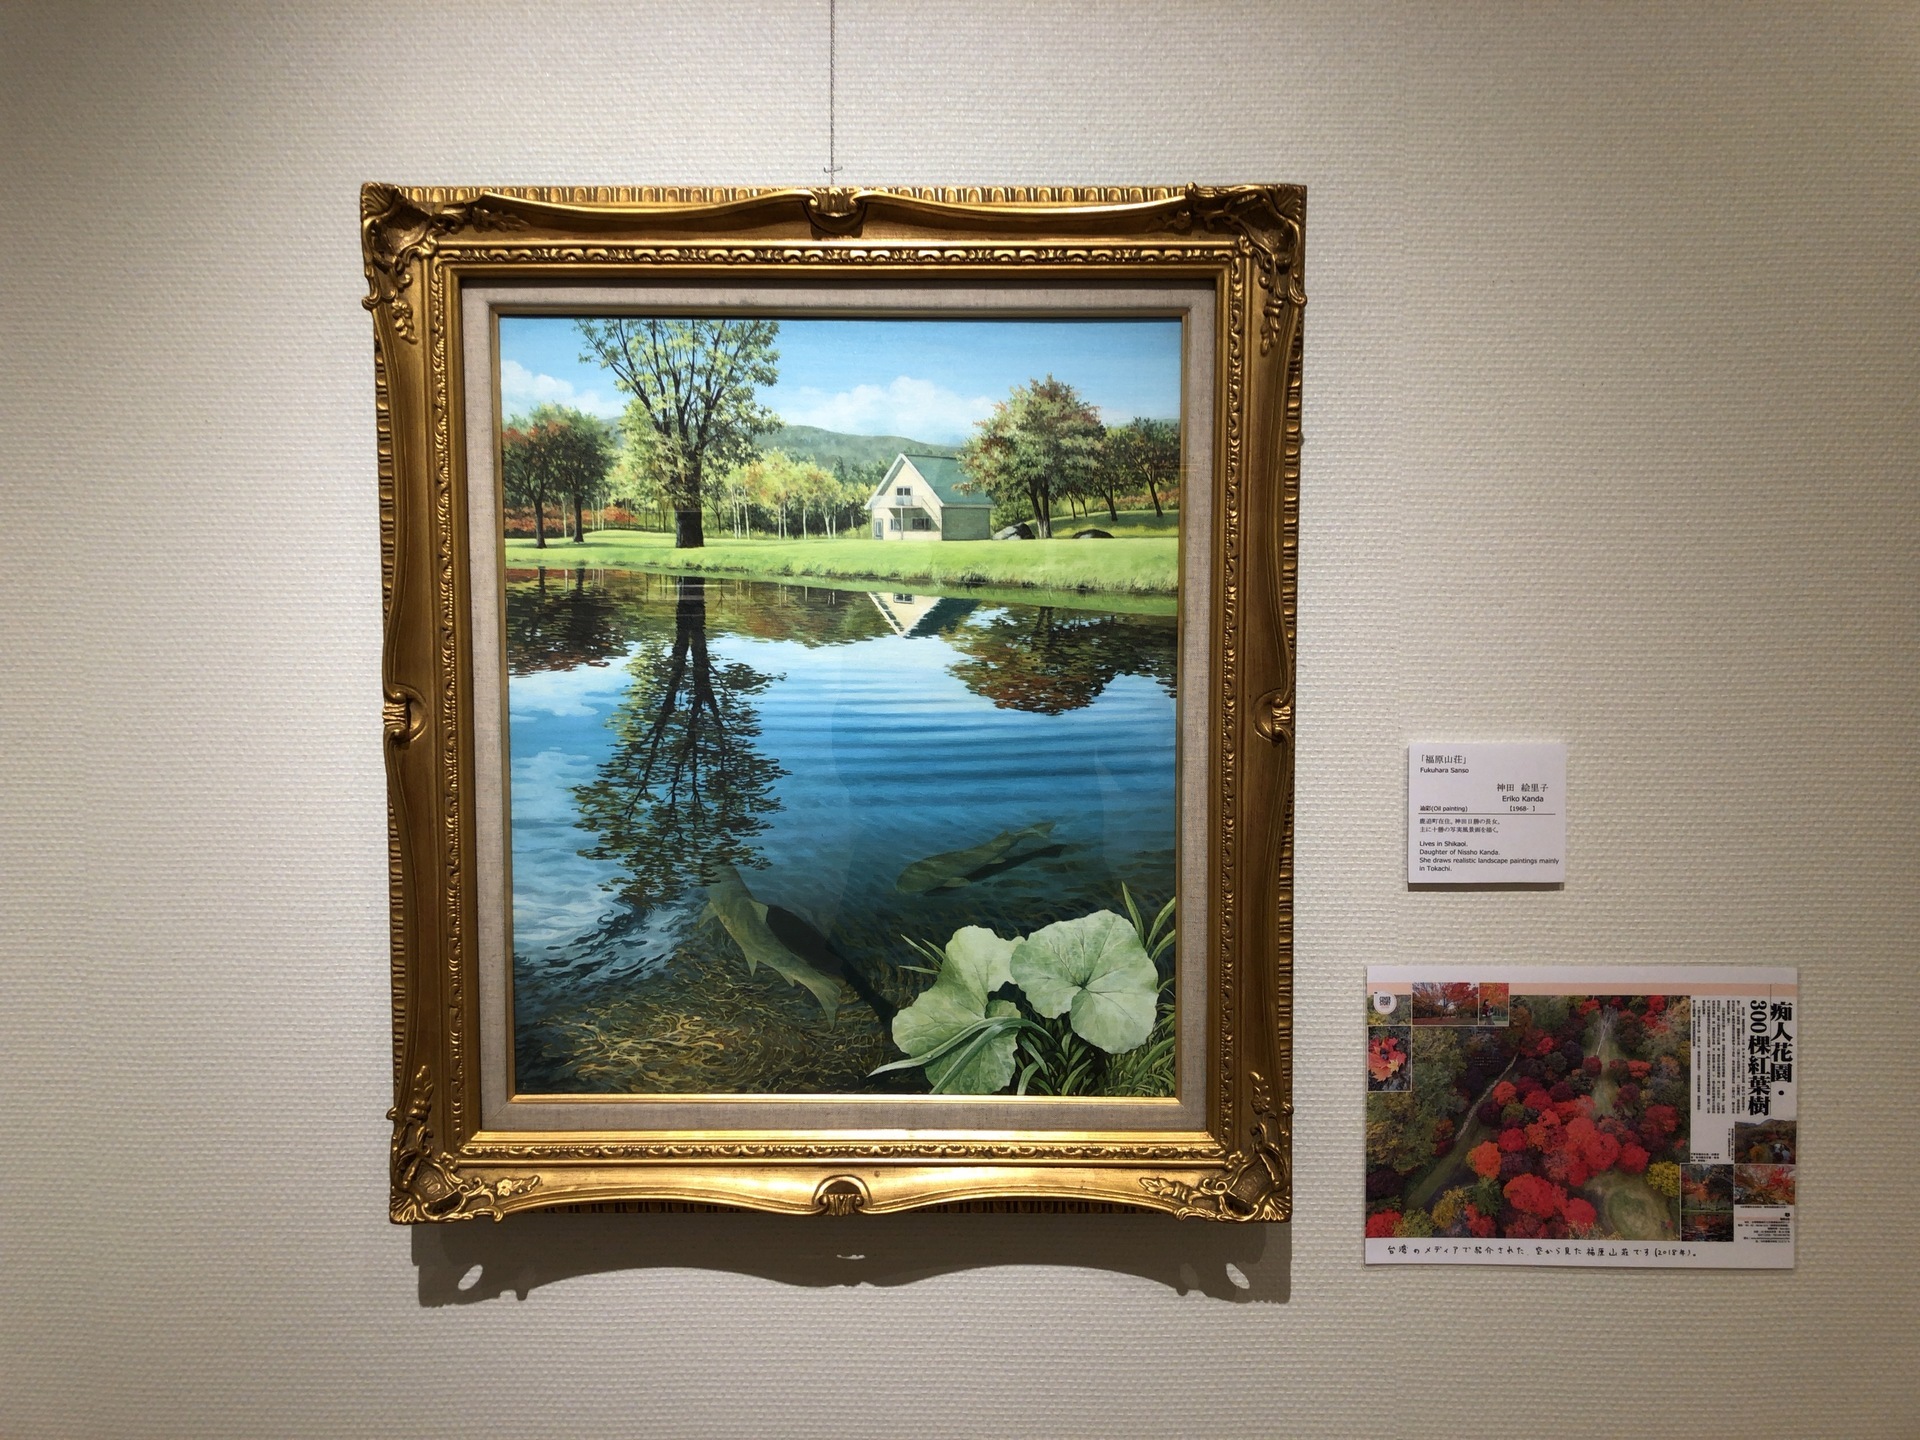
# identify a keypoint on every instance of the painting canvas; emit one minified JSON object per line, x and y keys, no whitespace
{"x":838,"y":696}
{"x":842,"y":700}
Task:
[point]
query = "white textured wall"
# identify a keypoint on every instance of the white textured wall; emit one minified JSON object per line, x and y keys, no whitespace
{"x":1611,"y":435}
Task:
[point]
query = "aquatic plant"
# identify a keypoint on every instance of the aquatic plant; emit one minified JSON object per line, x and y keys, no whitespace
{"x":1082,"y":1015}
{"x":1095,"y":970}
{"x":962,"y":1038}
{"x":1146,"y":1070}
{"x":1156,"y":936}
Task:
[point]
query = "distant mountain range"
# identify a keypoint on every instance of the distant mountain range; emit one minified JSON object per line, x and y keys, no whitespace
{"x":825,"y":447}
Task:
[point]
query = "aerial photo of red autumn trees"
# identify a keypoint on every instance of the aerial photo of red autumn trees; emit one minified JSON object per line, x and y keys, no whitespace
{"x":1568,"y":1121}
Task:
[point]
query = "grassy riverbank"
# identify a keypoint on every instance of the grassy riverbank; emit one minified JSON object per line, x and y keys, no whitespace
{"x":1142,"y":563}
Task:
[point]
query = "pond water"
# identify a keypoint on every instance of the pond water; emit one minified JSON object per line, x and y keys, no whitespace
{"x":870,"y":766}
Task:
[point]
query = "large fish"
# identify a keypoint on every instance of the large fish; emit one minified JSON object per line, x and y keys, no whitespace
{"x":952,"y":869}
{"x":745,"y":919}
{"x":803,"y":938}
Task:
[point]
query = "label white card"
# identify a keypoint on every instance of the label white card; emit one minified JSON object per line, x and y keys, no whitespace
{"x":1486,"y":814}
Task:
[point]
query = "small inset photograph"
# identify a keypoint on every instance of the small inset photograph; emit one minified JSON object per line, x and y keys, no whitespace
{"x":1386,"y":1008}
{"x":1707,"y":1226}
{"x":1770,"y":1185}
{"x":1765,"y":1142}
{"x":1389,"y":1065}
{"x":1706,"y":1187}
{"x":1446,"y":1002}
{"x":1494,"y":1003}
{"x":1706,"y":1202}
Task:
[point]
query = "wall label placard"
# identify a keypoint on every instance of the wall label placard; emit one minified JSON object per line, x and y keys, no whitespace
{"x":1482,"y":814}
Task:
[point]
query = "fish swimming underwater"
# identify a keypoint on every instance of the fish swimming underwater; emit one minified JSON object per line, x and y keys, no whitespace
{"x":952,"y":869}
{"x":801,"y":937}
{"x":787,"y":944}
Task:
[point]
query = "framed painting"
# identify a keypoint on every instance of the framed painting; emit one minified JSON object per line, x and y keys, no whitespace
{"x":839,"y":695}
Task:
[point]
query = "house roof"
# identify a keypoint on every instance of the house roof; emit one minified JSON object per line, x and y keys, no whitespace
{"x":943,"y":476}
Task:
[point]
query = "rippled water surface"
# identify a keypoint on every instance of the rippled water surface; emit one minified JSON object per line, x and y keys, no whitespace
{"x":819,"y":742}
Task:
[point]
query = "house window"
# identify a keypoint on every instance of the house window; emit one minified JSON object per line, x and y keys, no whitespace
{"x":903,"y":490}
{"x":876,"y":529}
{"x":922,"y":522}
{"x":894,"y":523}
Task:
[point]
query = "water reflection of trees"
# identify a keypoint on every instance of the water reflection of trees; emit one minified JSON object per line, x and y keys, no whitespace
{"x":685,"y":785}
{"x":559,"y":622}
{"x":1048,"y":660}
{"x":559,"y":619}
{"x":811,"y":615}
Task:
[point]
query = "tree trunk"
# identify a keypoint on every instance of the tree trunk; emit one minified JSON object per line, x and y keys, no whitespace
{"x":539,"y":524}
{"x":688,"y":532}
{"x":1154,"y":491}
{"x":579,"y":530}
{"x":1113,"y":515}
{"x":1042,"y":514}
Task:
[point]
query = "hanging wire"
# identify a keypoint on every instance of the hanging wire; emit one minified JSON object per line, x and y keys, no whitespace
{"x":832,"y":87}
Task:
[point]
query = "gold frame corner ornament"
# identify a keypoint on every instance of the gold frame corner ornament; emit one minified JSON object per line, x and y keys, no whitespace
{"x":420,"y":245}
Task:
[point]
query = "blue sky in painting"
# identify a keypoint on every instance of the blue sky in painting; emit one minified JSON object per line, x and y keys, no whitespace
{"x":924,"y":379}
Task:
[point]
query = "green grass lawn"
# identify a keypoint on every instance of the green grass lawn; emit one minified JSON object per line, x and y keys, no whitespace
{"x":1142,"y":558}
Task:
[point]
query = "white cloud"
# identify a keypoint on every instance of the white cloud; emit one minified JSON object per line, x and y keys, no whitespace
{"x":583,"y":690}
{"x":522,"y":389}
{"x":916,"y":409}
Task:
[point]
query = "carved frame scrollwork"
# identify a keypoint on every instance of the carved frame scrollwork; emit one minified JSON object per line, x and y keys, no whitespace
{"x":420,"y":244}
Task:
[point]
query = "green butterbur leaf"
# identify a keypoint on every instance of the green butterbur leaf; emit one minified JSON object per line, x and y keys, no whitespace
{"x":964,"y":1041}
{"x":1095,"y":970}
{"x":979,"y":959}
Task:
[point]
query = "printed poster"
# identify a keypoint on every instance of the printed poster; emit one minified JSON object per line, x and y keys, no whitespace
{"x":1609,"y":1116}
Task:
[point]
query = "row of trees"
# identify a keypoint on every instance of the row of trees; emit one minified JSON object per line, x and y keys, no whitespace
{"x":555,"y":457}
{"x":563,"y":462}
{"x":1044,"y":446}
{"x":689,"y":442}
{"x":785,"y":494}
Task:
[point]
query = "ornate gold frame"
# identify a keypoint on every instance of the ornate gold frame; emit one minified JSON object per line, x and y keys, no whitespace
{"x":420,"y":246}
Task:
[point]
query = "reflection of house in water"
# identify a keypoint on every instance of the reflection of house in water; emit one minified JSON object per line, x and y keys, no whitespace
{"x":921,"y":499}
{"x":922,"y":614}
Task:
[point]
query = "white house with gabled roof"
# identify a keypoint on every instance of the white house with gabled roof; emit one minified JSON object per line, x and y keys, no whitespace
{"x":921,"y":499}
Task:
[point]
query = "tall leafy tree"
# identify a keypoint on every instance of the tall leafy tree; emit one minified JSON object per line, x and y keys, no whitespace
{"x":697,"y":382}
{"x":637,"y":476}
{"x":1041,"y":443}
{"x":590,"y":461}
{"x":1143,"y":453}
{"x":525,"y":475}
